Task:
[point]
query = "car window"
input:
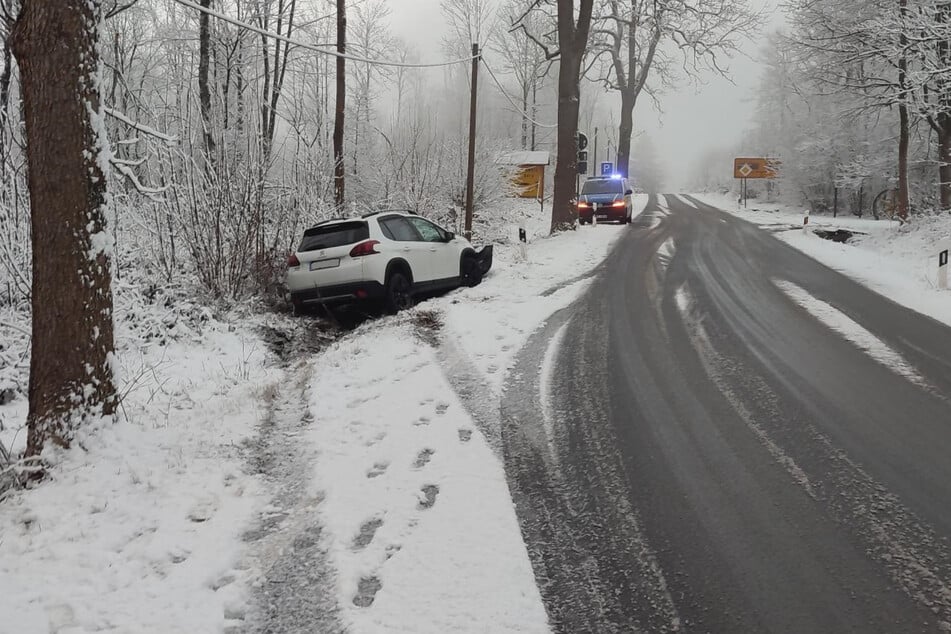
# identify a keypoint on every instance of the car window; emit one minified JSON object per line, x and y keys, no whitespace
{"x":602,"y":186}
{"x":429,"y":231}
{"x":397,"y":228}
{"x":386,"y":231}
{"x":337,"y":234}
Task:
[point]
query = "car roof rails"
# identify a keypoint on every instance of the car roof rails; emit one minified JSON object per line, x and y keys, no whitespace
{"x":327,"y":220}
{"x":390,"y":211}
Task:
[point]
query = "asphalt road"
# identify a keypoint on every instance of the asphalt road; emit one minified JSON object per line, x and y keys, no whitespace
{"x":702,"y":454}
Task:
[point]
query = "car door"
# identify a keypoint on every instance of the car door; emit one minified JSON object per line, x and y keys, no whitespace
{"x":444,"y":256}
{"x":410,"y":246}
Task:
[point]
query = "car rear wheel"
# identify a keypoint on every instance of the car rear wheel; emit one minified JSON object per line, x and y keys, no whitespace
{"x":398,"y":293}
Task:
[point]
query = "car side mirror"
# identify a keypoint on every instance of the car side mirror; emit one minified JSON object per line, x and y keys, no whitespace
{"x":629,"y":192}
{"x":450,"y":236}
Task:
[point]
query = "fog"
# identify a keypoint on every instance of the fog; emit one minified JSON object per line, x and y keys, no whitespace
{"x":691,"y":117}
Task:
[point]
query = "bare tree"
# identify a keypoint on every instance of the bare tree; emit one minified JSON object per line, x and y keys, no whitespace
{"x":633,"y":34}
{"x":526,"y":62}
{"x":204,"y":92}
{"x":71,"y":368}
{"x":572,"y":45}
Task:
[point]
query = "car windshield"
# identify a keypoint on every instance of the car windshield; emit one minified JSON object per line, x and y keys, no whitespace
{"x":602,"y":186}
{"x":337,"y":234}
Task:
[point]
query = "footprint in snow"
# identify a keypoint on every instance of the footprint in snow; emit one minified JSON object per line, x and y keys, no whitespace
{"x":423,"y":420}
{"x":465,"y":435}
{"x":427,"y":496}
{"x":367,"y":533}
{"x":423,"y":458}
{"x":441,"y":408}
{"x":379,"y":468}
{"x":376,"y":439}
{"x":366,"y":591}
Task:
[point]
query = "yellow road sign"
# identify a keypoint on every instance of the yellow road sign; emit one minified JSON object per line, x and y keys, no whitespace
{"x":755,"y":168}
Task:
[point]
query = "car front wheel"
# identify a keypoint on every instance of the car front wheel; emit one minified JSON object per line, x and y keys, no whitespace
{"x":398,"y":293}
{"x":471,"y":273}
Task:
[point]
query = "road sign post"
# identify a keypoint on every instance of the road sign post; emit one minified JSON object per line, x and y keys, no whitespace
{"x":944,"y":250}
{"x":745,"y":169}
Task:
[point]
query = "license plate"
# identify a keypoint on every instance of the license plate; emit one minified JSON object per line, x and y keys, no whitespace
{"x":324,"y":264}
{"x":602,"y":217}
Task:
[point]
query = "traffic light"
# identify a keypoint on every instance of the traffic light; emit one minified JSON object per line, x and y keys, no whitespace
{"x":582,"y":154}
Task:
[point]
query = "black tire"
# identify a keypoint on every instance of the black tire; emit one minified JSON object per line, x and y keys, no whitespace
{"x":470,"y":273}
{"x":398,"y":293}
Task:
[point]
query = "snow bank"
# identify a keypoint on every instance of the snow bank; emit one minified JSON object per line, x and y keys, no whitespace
{"x":420,"y":526}
{"x":492,"y":321}
{"x":140,"y":530}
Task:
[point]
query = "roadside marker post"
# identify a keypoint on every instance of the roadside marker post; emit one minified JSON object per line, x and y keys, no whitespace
{"x":523,"y":243}
{"x":805,"y":222}
{"x":944,"y":249}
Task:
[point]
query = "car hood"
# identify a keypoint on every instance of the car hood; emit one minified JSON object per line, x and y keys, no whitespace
{"x":601,"y":198}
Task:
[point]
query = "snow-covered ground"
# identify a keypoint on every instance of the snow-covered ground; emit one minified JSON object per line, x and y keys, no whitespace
{"x":145,"y":528}
{"x":897,"y":261}
{"x":140,"y":531}
{"x":417,"y":516}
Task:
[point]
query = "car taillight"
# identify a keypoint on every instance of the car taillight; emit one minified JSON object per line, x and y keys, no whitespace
{"x":619,"y":204}
{"x":364,"y":248}
{"x":292,"y":261}
{"x":583,"y":205}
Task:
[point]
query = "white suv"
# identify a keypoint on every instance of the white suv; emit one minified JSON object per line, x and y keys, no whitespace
{"x":387,"y":257}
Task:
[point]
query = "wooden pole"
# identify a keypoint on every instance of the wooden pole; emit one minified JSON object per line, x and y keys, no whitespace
{"x":470,"y":173}
{"x":340,"y":107}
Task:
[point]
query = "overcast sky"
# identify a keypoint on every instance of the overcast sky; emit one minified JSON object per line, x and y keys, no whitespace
{"x":695,"y":118}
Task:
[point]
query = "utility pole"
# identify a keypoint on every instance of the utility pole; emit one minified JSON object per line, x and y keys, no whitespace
{"x":340,"y":106}
{"x":470,"y":174}
{"x":595,"y":161}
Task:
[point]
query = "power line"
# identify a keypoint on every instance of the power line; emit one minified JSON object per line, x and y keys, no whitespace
{"x":512,"y":101}
{"x":317,"y":49}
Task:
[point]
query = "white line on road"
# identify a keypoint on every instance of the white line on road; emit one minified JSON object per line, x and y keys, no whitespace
{"x":687,"y":202}
{"x":666,"y":252}
{"x":841,"y":323}
{"x":544,"y":389}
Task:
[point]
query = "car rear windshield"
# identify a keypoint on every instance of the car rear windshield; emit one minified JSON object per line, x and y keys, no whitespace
{"x":606,"y":186}
{"x":337,"y":234}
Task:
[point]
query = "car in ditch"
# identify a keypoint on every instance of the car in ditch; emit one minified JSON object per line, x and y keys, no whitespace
{"x":387,"y":259}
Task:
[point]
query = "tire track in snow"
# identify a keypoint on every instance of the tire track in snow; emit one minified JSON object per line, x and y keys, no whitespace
{"x":913,"y":555}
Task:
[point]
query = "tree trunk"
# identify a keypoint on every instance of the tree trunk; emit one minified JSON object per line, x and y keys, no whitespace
{"x":71,"y":368}
{"x":339,"y":189}
{"x":524,"y":119}
{"x":902,"y":202}
{"x":573,"y":39}
{"x":204,"y":92}
{"x":564,"y":210}
{"x":625,"y":132}
{"x":944,"y":158}
{"x":943,"y":128}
